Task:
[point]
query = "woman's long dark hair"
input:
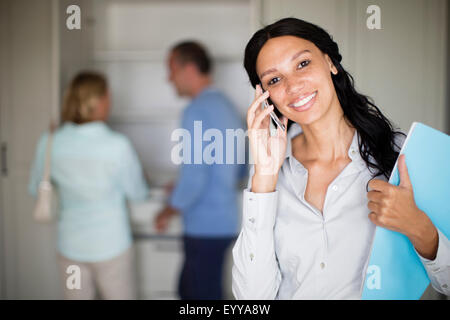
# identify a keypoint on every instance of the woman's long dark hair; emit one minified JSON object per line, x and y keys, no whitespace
{"x":376,"y":133}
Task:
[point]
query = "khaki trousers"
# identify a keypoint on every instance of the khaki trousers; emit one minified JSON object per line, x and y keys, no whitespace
{"x":112,"y":279}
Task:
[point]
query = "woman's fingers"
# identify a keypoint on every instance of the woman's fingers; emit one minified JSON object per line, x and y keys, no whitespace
{"x":265,"y":122}
{"x":373,"y":206}
{"x":280,"y":132}
{"x":258,"y":144}
{"x":258,"y":91}
{"x":252,"y":110}
{"x":260,"y":117}
{"x":265,"y":149}
{"x":375,"y":196}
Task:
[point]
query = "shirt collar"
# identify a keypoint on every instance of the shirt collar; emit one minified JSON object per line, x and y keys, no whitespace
{"x":87,"y":127}
{"x":353,"y":150}
{"x":209,"y":88}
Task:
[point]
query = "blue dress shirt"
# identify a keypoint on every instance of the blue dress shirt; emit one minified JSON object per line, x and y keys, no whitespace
{"x":206,"y":194}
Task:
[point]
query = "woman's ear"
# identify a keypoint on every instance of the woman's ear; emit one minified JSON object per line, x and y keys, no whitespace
{"x":333,"y":69}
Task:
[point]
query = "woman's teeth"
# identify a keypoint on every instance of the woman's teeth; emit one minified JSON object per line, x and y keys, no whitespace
{"x":305,"y":100}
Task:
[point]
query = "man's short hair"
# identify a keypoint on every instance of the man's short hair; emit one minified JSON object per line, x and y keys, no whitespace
{"x":191,"y":51}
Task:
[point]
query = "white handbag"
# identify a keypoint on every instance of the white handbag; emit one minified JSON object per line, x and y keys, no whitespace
{"x":43,"y":209}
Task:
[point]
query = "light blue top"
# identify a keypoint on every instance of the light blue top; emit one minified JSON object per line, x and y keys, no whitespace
{"x":206,"y":194}
{"x":94,"y":171}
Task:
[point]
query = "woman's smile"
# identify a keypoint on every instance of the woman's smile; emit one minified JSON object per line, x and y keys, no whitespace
{"x":304,"y":103}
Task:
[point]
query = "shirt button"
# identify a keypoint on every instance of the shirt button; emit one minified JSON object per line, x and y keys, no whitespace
{"x":322,"y":265}
{"x":334,"y":187}
{"x":353,"y":151}
{"x":251,"y":256}
{"x":252,"y":220}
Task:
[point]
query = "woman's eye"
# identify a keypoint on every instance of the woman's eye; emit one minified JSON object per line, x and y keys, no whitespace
{"x":273,"y":81}
{"x":303,"y":64}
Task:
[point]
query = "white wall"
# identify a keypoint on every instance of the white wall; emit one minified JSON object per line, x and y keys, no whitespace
{"x":130,"y":41}
{"x":402,"y":66}
{"x":73,"y":44}
{"x":3,"y":89}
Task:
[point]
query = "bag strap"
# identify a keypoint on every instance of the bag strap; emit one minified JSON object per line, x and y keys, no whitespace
{"x":48,"y":157}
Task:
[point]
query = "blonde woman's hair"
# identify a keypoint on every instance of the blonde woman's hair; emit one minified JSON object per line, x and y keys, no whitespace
{"x":81,"y":97}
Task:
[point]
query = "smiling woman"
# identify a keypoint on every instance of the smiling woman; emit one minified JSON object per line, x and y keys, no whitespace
{"x":308,"y":220}
{"x":293,"y":59}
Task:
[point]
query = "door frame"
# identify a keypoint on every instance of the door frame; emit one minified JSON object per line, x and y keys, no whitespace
{"x":8,"y":219}
{"x":4,"y":98}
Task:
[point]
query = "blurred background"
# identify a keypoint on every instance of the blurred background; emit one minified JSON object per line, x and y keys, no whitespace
{"x":404,"y":67}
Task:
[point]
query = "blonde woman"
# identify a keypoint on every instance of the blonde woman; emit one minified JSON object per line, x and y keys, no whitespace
{"x":95,"y":171}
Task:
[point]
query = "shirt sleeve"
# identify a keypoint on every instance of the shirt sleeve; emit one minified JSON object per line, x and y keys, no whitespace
{"x":438,"y":270}
{"x":255,"y":273}
{"x":134,"y":183}
{"x":193,"y":177}
{"x":37,"y":167}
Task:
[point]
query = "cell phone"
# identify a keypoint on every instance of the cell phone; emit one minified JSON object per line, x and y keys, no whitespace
{"x":272,"y":114}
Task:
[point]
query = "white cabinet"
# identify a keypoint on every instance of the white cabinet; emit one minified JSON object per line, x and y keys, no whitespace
{"x":158,"y":262}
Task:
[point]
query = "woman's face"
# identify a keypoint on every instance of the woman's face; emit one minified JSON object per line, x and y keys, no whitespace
{"x":297,"y":75}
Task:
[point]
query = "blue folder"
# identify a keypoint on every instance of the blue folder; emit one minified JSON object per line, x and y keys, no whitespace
{"x":395,"y":270}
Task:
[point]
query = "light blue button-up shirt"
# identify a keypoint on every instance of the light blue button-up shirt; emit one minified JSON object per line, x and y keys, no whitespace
{"x":206,"y":194}
{"x":94,"y":170}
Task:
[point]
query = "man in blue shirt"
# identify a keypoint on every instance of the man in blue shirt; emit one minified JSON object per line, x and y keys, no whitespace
{"x":206,"y":193}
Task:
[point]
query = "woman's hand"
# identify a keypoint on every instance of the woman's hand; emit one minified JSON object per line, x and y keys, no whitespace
{"x":394,"y":208}
{"x":267,"y":151}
